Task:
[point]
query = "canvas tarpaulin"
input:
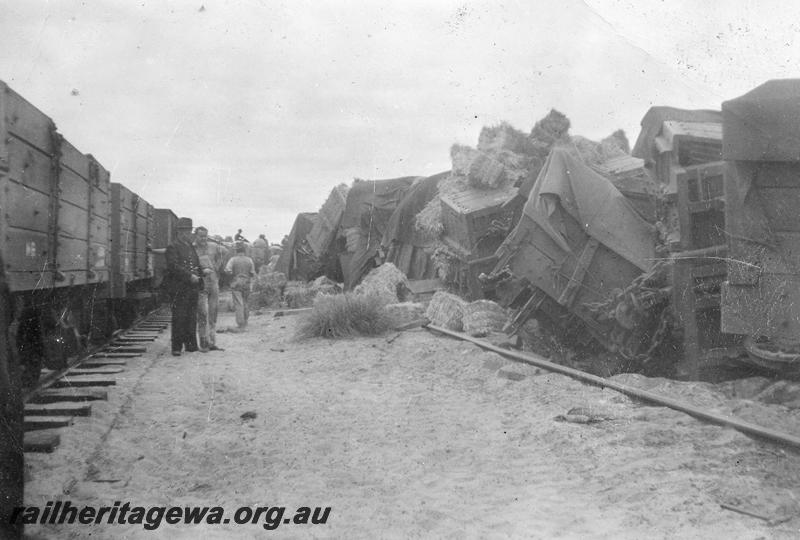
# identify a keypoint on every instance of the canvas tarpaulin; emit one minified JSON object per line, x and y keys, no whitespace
{"x":653,"y":122}
{"x":401,"y":225}
{"x":763,"y":124}
{"x":296,"y":260}
{"x":761,"y":144}
{"x":370,"y":205}
{"x":593,"y":201}
{"x":403,"y":242}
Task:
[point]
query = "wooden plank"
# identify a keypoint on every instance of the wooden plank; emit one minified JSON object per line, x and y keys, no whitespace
{"x":420,"y":286}
{"x":567,"y":296}
{"x":116,"y":354}
{"x":53,"y":395}
{"x":82,"y":382}
{"x":81,"y":370}
{"x":121,"y":348}
{"x":41,"y":441}
{"x":35,"y":423}
{"x":102,"y":362}
{"x":58,"y":409}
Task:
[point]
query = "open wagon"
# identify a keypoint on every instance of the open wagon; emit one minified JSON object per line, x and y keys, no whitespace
{"x":582,"y":257}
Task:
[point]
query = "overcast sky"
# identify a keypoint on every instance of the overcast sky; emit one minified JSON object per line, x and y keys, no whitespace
{"x":240,"y":114}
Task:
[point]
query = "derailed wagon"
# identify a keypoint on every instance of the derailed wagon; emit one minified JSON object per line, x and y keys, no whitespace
{"x":761,"y":296}
{"x":583,"y":258}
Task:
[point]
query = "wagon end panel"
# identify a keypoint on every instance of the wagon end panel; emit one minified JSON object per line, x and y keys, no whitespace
{"x":26,"y":168}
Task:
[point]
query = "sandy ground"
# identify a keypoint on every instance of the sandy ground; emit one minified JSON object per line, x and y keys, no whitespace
{"x":423,"y":437}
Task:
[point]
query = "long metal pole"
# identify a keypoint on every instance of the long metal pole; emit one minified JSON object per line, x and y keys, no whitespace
{"x":538,"y":361}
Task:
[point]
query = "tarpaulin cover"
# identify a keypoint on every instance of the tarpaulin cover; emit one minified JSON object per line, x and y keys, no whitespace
{"x":370,"y":205}
{"x":594,"y":202}
{"x":763,"y":124}
{"x":403,"y":242}
{"x":295,"y":259}
{"x":401,"y":225}
{"x":654,"y":120}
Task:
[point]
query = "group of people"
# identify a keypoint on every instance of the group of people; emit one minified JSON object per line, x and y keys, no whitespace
{"x":194,"y":265}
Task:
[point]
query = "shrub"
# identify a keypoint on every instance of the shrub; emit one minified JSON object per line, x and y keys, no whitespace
{"x":342,"y":315}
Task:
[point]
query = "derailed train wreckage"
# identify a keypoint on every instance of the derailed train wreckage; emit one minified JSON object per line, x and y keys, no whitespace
{"x":640,"y":251}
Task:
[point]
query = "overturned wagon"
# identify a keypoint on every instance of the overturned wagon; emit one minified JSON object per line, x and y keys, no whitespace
{"x":761,"y":296}
{"x":583,"y":258}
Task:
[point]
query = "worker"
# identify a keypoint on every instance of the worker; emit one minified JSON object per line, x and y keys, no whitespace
{"x":242,"y":269}
{"x":239,"y":238}
{"x":184,"y":280}
{"x":212,"y":258}
{"x":259,"y":252}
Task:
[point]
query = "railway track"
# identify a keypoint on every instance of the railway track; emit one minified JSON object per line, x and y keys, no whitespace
{"x":61,"y":395}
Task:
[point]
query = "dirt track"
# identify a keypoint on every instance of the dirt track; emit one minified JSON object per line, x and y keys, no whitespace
{"x":421,"y":437}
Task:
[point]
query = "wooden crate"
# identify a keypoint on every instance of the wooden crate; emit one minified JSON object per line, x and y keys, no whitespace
{"x":467,"y":217}
{"x":54,"y":199}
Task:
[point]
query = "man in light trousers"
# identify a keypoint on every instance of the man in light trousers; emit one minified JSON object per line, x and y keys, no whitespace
{"x":241,"y":267}
{"x":211,"y":255}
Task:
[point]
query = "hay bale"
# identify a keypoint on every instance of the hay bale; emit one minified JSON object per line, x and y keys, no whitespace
{"x":483,"y":317}
{"x":298,"y":294}
{"x":446,"y":310}
{"x":385,"y":282}
{"x":486,"y":172}
{"x":461,"y":157}
{"x":404,"y":312}
{"x":266,"y":280}
{"x":325,"y":285}
{"x":267,"y":289}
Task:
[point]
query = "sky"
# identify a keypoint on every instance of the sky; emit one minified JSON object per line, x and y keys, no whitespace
{"x":240,"y":114}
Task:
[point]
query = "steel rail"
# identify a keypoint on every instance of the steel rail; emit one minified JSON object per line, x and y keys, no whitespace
{"x":47,"y":380}
{"x":720,"y":419}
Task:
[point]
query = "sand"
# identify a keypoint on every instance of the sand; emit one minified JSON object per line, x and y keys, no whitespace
{"x":422,"y":437}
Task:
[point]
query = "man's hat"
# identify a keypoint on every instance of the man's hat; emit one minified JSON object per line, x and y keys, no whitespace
{"x":184,"y":223}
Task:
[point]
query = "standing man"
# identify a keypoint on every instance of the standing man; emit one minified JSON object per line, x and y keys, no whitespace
{"x":260,"y":251}
{"x":211,"y":256}
{"x":241,"y":267}
{"x":184,"y":278}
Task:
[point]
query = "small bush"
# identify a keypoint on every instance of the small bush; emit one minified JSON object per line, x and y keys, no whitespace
{"x":342,"y":315}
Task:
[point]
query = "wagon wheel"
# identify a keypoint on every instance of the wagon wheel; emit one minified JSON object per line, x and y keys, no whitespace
{"x":60,"y":338}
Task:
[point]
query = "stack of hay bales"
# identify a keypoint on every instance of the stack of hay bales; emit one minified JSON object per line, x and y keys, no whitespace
{"x":483,"y":317}
{"x":404,"y":312}
{"x":446,"y":310}
{"x":385,"y":282}
{"x":267,"y":289}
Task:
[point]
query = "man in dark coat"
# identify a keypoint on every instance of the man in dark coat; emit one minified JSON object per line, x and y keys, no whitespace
{"x":184,"y":280}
